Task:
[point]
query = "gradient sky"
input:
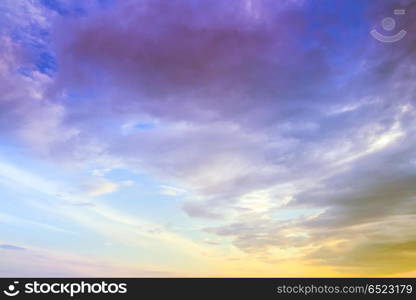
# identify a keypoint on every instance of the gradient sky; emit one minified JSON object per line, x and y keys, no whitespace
{"x":207,"y":138}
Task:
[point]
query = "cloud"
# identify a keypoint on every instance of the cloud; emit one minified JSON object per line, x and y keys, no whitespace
{"x":171,"y":190}
{"x":257,"y":110}
{"x":27,"y":113}
{"x":46,"y":263}
{"x":382,"y":247}
{"x":99,"y":187}
{"x":366,"y":210}
{"x":243,"y":106}
{"x":219,"y":63}
{"x":240,"y":103}
{"x":11,"y":247}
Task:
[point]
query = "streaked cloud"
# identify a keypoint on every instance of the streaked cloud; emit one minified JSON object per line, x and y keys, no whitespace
{"x":12,"y":247}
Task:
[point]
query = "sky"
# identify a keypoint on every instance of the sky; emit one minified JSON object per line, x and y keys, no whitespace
{"x":207,"y":138}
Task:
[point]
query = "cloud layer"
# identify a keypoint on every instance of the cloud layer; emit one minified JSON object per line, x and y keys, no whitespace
{"x":281,"y":122}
